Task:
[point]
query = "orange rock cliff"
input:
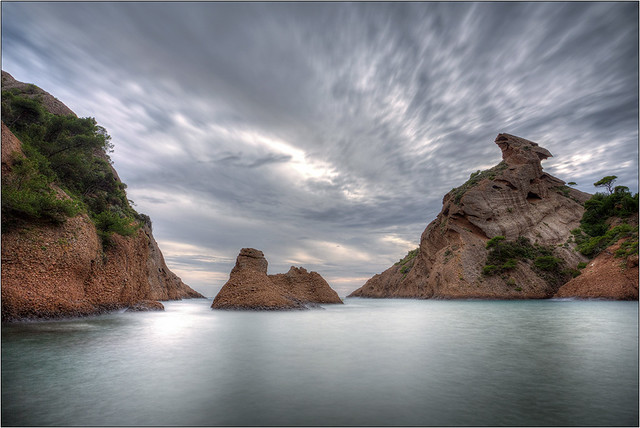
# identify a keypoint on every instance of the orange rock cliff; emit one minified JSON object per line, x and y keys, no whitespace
{"x":51,"y":271}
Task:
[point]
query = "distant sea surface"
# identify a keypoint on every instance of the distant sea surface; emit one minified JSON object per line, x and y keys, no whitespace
{"x":367,"y":362}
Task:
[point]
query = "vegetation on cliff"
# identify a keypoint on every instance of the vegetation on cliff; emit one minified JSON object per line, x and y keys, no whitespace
{"x":70,"y":153}
{"x":504,"y":256}
{"x":475,"y":178}
{"x":407,"y":262}
{"x":607,"y":219}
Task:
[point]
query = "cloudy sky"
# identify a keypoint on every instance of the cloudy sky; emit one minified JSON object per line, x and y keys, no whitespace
{"x":326,"y":134}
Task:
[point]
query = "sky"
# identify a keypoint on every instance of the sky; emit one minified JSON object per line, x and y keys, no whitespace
{"x":327,"y":134}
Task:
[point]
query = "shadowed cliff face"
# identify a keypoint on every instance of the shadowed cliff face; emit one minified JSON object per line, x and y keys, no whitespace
{"x":513,"y":199}
{"x":249,"y":286}
{"x":62,"y":270}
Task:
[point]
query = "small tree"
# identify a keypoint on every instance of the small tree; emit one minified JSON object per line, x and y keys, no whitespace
{"x":606,"y":182}
{"x":572,"y":183}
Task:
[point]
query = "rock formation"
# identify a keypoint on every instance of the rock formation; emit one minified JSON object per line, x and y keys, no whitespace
{"x":249,"y":286}
{"x":51,"y":103}
{"x":513,"y":199}
{"x":62,"y":270}
{"x":146,"y":306}
{"x":605,"y":277}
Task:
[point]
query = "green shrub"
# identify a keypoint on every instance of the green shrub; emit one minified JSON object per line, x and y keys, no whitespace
{"x":109,"y":222}
{"x":409,"y":257}
{"x":510,"y":264}
{"x":593,"y":246}
{"x":495,"y":241}
{"x":504,"y":255}
{"x":547,"y":263}
{"x":628,"y":248}
{"x":70,"y":152}
{"x":490,"y":269}
{"x":594,"y":234}
{"x":406,"y":264}
{"x":27,"y":195}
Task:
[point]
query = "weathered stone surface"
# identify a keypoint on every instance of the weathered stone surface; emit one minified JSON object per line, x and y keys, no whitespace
{"x":250,"y":288}
{"x":605,"y":277}
{"x":251,"y":259}
{"x":11,"y":149}
{"x":515,"y":198}
{"x":58,"y":271}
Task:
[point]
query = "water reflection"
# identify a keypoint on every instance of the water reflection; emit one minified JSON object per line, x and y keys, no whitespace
{"x":368,"y":362}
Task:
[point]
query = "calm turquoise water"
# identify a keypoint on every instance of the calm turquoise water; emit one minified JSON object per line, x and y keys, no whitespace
{"x":368,"y":362}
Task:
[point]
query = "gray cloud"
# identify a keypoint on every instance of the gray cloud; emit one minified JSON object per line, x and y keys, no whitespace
{"x":327,"y":133}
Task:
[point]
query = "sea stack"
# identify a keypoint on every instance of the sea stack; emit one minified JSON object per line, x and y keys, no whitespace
{"x":515,"y":201}
{"x":250,"y":288}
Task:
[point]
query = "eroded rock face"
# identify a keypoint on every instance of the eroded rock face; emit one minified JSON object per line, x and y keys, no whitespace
{"x":11,"y":149}
{"x":250,"y":288}
{"x":605,"y":277}
{"x":251,"y":259}
{"x":515,"y":198}
{"x":60,"y":271}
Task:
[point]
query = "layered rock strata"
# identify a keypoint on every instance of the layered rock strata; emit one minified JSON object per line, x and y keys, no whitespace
{"x":251,"y":288}
{"x":516,"y":198}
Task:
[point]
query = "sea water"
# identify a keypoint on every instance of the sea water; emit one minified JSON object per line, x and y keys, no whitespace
{"x":367,"y":362}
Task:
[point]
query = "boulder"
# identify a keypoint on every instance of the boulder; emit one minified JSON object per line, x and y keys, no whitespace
{"x":146,"y":306}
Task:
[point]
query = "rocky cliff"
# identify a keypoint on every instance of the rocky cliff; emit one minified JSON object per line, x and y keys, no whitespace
{"x":610,"y":275}
{"x":517,"y":200}
{"x":55,"y":270}
{"x":249,"y":286}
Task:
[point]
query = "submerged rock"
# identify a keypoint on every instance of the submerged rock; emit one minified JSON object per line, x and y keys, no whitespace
{"x":513,"y":199}
{"x":146,"y":306}
{"x":249,"y":287}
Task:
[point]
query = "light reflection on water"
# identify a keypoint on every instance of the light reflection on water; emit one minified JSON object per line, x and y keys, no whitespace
{"x":368,"y":362}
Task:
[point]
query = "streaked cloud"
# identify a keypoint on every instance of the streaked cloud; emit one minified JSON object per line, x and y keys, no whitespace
{"x":327,"y":133}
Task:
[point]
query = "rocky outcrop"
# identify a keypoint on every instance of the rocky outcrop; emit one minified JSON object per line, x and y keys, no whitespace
{"x":146,"y":306}
{"x":63,"y":270}
{"x":53,"y":271}
{"x":11,"y":149}
{"x":516,"y":198}
{"x":250,"y":287}
{"x":607,"y":276}
{"x":51,"y":103}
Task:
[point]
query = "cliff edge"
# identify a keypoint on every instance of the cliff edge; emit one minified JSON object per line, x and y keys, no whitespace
{"x":522,"y":213}
{"x":249,"y":286}
{"x":55,"y":261}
